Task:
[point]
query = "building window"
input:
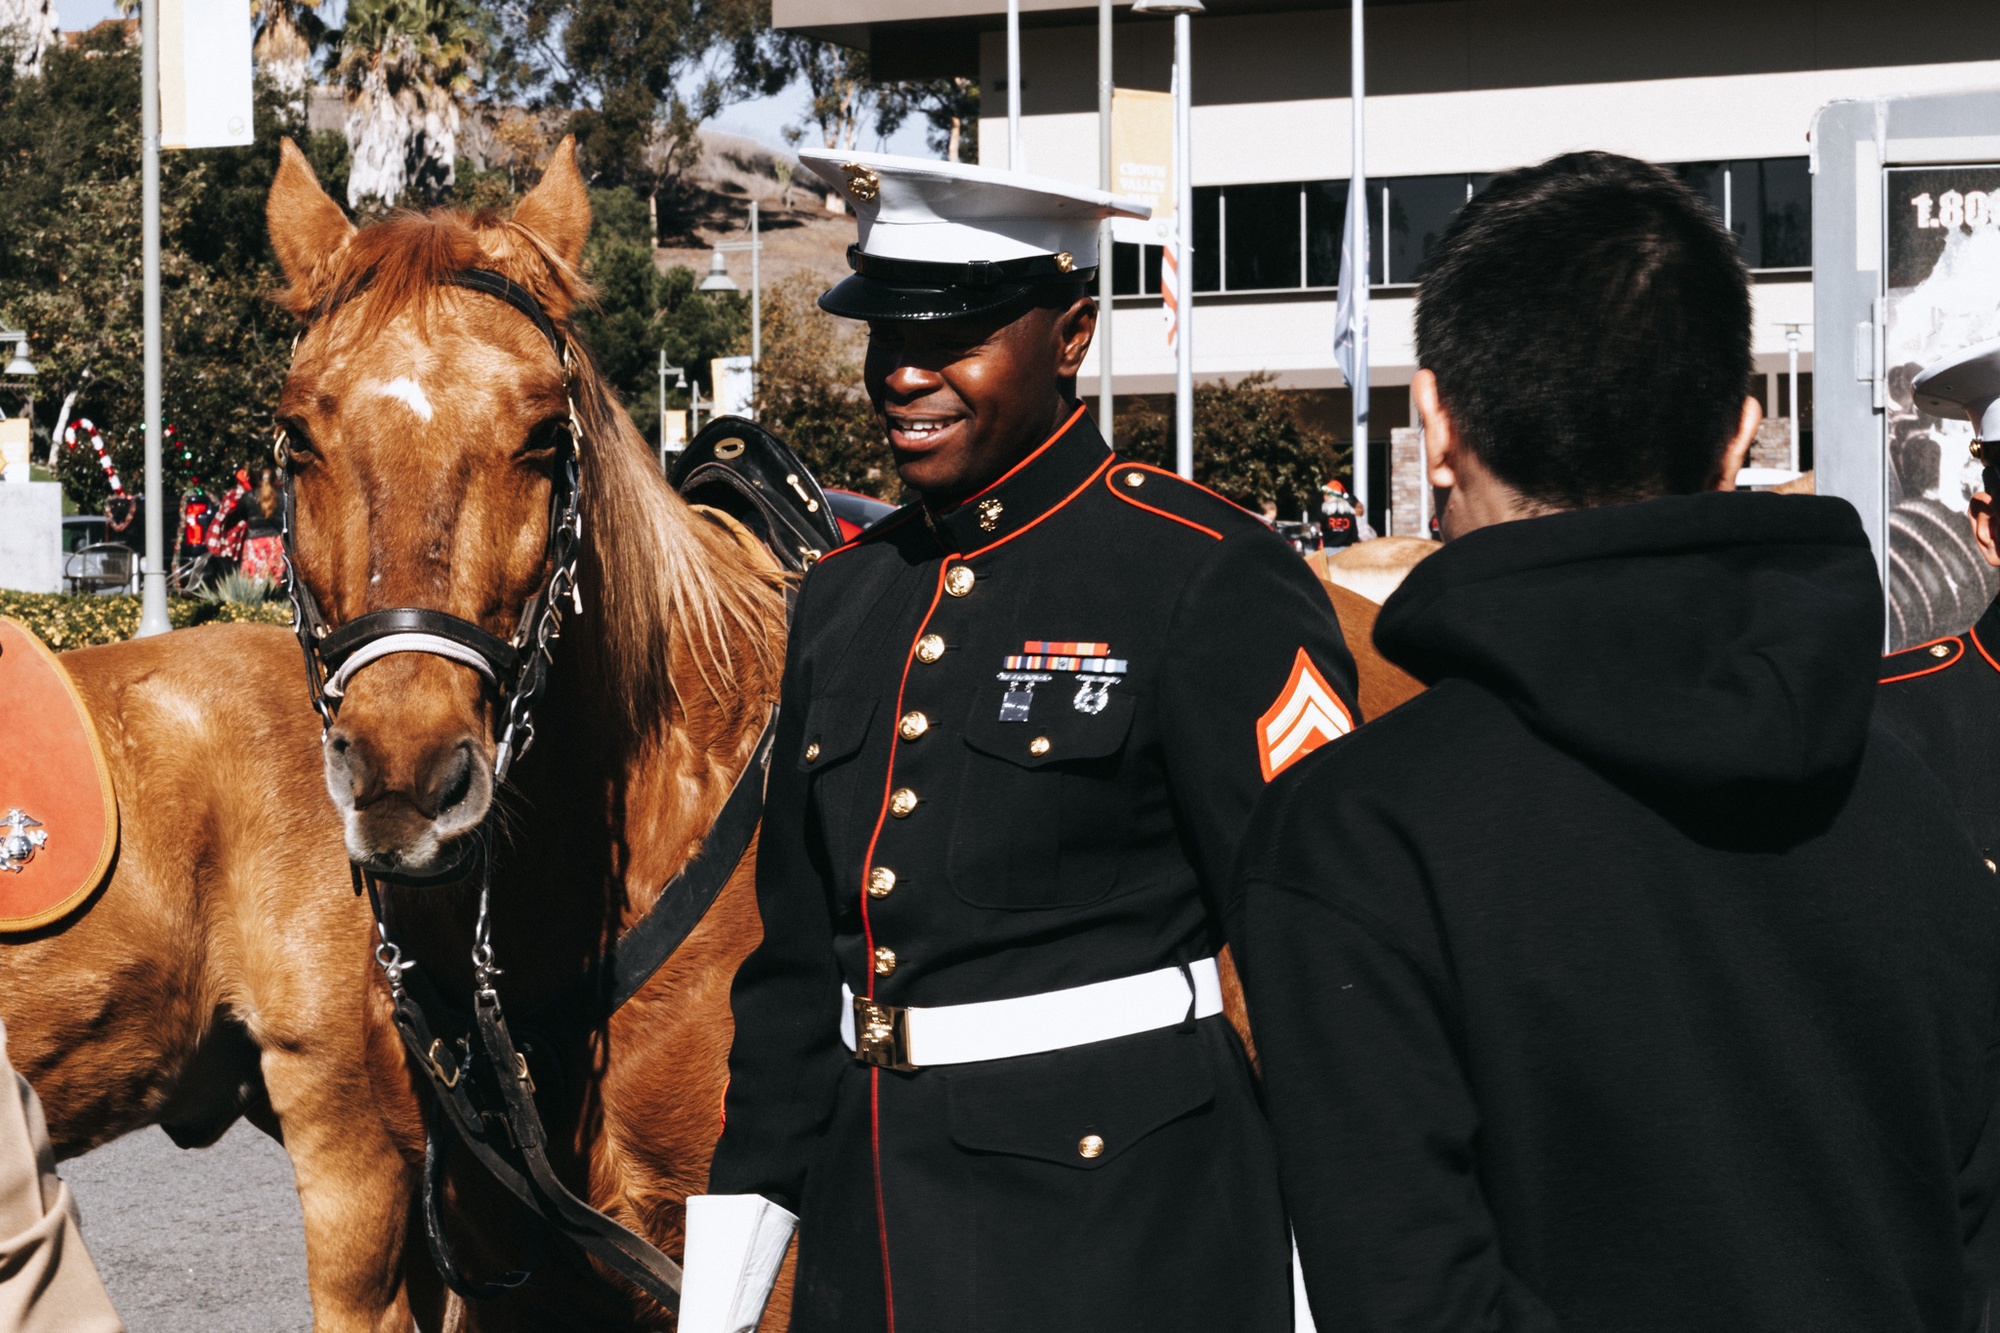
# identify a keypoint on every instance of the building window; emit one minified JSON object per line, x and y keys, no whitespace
{"x":1285,"y":236}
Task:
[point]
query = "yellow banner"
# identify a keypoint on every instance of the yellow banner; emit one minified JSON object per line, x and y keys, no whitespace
{"x":1142,"y":162}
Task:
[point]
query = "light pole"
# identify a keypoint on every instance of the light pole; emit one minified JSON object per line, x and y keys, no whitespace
{"x":19,"y":374}
{"x":680,"y":382}
{"x":1358,"y":180}
{"x":1792,"y":374}
{"x":153,"y":585}
{"x":1183,"y":225}
{"x":1106,"y":399}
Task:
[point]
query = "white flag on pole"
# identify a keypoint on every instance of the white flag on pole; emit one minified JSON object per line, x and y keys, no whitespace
{"x":1350,"y":315}
{"x":204,"y":74}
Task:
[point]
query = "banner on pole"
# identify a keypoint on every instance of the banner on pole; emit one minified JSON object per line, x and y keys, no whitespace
{"x":1142,"y":163}
{"x":204,"y":74}
{"x":1350,"y":315}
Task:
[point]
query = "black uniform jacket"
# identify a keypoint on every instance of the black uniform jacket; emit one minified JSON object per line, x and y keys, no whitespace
{"x":1943,"y":699}
{"x":1017,"y":747}
{"x":1631,"y":977}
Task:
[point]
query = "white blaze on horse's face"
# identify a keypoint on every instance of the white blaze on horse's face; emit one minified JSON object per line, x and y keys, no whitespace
{"x":410,"y":394}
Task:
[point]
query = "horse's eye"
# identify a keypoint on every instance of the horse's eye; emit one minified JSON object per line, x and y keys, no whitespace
{"x":296,"y":444}
{"x":540,"y":446}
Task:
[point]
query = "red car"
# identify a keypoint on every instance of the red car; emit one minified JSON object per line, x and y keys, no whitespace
{"x":855,"y":513}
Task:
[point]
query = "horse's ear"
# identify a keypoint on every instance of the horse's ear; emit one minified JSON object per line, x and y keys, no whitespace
{"x":306,"y":226}
{"x":558,"y":209}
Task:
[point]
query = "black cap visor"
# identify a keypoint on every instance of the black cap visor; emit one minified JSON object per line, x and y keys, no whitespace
{"x":882,"y":289}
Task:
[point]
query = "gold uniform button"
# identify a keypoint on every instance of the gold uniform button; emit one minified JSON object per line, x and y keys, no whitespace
{"x":913,"y":725}
{"x":881,"y":882}
{"x":1991,"y":869}
{"x":1135,"y":479}
{"x":1940,"y":650}
{"x":812,"y":751}
{"x":958,"y":580}
{"x":902,"y":802}
{"x":885,"y":963}
{"x":1090,"y":1145}
{"x":1038,"y":746}
{"x":930,"y":648}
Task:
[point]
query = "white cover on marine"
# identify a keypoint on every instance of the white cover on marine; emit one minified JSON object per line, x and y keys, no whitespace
{"x":735,"y":1245}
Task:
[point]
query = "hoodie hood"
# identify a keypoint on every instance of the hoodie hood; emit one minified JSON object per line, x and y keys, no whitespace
{"x":1697,"y":648}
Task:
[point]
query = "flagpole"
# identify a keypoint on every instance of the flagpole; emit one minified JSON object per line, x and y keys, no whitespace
{"x":1014,"y":158}
{"x":1358,"y":181}
{"x":1106,"y":401}
{"x":1184,"y":224}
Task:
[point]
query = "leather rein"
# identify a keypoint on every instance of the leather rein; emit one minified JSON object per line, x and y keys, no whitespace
{"x":479,"y":1075}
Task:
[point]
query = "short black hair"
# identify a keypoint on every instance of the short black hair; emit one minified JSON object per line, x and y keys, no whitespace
{"x":1588,"y":321}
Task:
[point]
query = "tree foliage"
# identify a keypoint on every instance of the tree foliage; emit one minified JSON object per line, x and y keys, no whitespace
{"x":1251,"y":444}
{"x":406,"y":67}
{"x":70,"y":272}
{"x":809,"y":393}
{"x":642,"y":311}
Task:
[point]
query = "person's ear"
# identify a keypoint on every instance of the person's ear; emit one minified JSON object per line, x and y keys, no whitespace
{"x":1075,"y":327}
{"x":1737,"y":451}
{"x":1441,"y":442}
{"x":1982,"y":510}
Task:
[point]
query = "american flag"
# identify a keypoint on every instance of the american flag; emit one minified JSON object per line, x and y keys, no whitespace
{"x":1170,"y":295}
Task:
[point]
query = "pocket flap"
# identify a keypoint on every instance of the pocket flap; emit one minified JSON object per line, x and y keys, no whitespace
{"x":836,"y":724}
{"x":1055,"y":730}
{"x":1084,"y":1106}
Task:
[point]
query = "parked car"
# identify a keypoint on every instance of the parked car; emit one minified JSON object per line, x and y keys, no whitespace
{"x":81,"y":530}
{"x":855,"y":513}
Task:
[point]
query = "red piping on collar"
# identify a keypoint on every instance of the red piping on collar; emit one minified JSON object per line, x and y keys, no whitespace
{"x":1039,"y":517}
{"x":888,"y":525}
{"x":1935,"y":666}
{"x":1973,"y":634}
{"x":1061,"y":431}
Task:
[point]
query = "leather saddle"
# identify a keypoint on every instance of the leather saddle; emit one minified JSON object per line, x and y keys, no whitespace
{"x":736,"y":466}
{"x":58,"y":812}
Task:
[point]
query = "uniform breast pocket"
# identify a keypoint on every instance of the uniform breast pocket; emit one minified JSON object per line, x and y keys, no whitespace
{"x":1041,"y":810}
{"x":836,"y":726}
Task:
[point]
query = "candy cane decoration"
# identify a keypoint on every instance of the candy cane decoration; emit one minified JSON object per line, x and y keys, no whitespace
{"x":96,"y":442}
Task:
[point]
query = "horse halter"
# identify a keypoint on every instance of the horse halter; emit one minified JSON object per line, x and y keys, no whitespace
{"x":517,"y":669}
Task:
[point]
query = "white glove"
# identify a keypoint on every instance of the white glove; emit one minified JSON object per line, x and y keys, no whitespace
{"x":735,"y":1244}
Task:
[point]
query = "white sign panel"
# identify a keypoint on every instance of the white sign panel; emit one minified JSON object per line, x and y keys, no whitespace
{"x":204,"y":74}
{"x":735,"y":385}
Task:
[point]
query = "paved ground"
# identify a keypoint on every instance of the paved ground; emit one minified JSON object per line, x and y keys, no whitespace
{"x":196,"y":1242}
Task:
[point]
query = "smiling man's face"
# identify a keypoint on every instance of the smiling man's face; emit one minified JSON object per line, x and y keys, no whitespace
{"x":966,"y":399}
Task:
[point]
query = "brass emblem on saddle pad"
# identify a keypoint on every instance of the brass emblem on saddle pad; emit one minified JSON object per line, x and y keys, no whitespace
{"x":58,"y":814}
{"x":881,"y":1034}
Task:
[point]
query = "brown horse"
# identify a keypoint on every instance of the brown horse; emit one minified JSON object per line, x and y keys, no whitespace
{"x":224,"y":967}
{"x":421,"y":419}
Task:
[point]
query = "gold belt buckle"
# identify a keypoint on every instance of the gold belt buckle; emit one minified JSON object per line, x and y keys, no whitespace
{"x":881,"y":1034}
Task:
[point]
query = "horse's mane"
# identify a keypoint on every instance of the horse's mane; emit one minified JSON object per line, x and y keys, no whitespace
{"x":651,"y":571}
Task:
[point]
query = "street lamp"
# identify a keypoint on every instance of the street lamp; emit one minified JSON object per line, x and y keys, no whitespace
{"x":755,"y":246}
{"x":718,"y":279}
{"x":680,"y":382}
{"x":1183,"y":224}
{"x":19,"y":374}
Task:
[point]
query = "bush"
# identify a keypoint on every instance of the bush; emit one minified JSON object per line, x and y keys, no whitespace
{"x":1251,"y":443}
{"x":66,"y":622}
{"x":809,"y":393}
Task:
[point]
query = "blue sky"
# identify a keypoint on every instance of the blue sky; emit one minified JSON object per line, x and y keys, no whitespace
{"x":764,"y":119}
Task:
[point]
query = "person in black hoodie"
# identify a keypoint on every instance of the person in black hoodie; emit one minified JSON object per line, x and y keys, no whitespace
{"x":1630,"y":977}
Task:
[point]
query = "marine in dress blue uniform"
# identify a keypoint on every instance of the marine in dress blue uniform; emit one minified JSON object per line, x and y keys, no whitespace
{"x":980,"y":1053}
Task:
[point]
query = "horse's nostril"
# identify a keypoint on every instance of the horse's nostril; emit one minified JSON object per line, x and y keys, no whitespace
{"x":339,"y":744}
{"x":455,"y":779}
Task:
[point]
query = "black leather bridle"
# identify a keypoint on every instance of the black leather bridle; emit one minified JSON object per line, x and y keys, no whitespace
{"x":517,"y":669}
{"x":478,"y":1075}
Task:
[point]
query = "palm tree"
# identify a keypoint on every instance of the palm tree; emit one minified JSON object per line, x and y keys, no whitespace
{"x":287,"y":31}
{"x":406,"y":66}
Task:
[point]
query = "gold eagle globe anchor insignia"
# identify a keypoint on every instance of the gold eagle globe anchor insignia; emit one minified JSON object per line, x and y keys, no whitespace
{"x":21,"y":836}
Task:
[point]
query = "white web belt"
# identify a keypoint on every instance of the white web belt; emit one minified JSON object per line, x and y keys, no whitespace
{"x":958,"y":1034}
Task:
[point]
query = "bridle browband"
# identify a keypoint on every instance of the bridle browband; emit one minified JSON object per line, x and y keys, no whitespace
{"x":517,"y":669}
{"x":478,"y":1077}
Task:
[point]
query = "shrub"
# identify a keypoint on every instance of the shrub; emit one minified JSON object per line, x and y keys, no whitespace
{"x":1251,"y":443}
{"x":66,"y":622}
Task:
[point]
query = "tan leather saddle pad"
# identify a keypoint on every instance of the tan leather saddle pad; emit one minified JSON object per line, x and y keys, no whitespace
{"x":58,"y":813}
